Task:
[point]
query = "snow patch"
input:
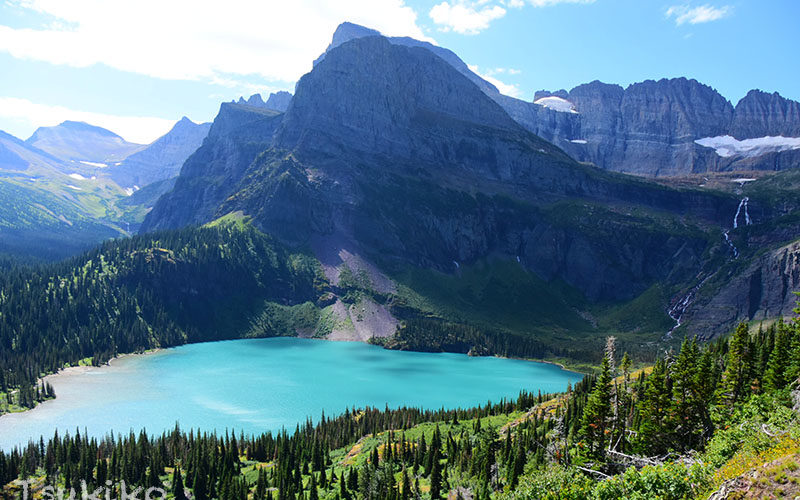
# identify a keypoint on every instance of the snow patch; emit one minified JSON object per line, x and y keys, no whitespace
{"x":579,"y":141}
{"x":76,"y":188}
{"x":94,"y":164}
{"x":77,"y":177}
{"x":556,"y":104}
{"x":727,"y":146}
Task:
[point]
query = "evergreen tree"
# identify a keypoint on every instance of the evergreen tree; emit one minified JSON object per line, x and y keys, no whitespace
{"x":735,"y":380}
{"x":686,"y":408}
{"x":436,"y":476}
{"x":177,"y":484}
{"x":775,"y":375}
{"x":594,"y":421}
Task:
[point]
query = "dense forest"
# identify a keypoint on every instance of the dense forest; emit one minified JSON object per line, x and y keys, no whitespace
{"x":217,"y":282}
{"x":128,"y":295}
{"x":680,"y":429}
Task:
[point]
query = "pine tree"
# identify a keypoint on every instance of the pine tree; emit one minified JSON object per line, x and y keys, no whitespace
{"x":775,"y":375}
{"x":436,"y":476}
{"x":653,"y":411}
{"x":594,"y":421}
{"x":735,"y":379}
{"x":177,"y":484}
{"x":312,"y":488}
{"x":685,"y":413}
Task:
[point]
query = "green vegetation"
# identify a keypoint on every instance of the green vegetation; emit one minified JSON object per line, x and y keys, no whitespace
{"x":697,"y":420}
{"x":152,"y":291}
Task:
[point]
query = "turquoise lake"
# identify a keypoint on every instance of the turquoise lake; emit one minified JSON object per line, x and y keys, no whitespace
{"x":267,"y":384}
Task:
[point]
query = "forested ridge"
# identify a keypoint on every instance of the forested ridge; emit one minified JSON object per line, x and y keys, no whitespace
{"x":158,"y":290}
{"x":693,"y":423}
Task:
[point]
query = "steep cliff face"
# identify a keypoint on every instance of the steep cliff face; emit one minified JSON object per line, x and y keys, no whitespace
{"x":760,"y":114}
{"x":239,"y":133}
{"x":392,"y":151}
{"x":391,"y":147}
{"x":762,"y":290}
{"x":649,"y":128}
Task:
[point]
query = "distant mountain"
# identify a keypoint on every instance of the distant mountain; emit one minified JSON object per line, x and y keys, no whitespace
{"x":669,"y":127}
{"x":54,"y":207}
{"x":277,"y":101}
{"x":47,"y":208}
{"x":79,"y":141}
{"x":163,"y":158}
{"x":656,"y":128}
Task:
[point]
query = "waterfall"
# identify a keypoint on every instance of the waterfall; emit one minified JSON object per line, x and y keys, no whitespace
{"x":747,"y":220}
{"x":730,"y":244}
{"x":678,"y":308}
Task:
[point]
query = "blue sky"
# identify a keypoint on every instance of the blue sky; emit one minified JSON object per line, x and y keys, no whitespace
{"x":136,"y":67}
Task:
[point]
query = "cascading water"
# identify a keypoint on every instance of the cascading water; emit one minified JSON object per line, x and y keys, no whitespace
{"x":747,"y":220}
{"x":679,"y":307}
{"x":730,"y":244}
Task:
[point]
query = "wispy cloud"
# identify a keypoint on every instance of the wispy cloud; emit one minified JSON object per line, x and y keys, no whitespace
{"x":467,"y":18}
{"x":191,"y":40}
{"x":140,"y":129}
{"x":697,"y":15}
{"x":470,"y":17}
{"x":510,"y":89}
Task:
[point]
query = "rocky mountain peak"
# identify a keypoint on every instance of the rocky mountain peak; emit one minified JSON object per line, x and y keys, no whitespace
{"x":761,"y":114}
{"x":377,"y":96}
{"x":279,"y":101}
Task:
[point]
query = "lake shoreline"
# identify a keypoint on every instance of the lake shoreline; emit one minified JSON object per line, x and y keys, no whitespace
{"x":287,"y":380}
{"x":69,"y":372}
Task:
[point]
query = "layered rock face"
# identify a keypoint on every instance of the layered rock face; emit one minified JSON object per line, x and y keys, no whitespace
{"x":389,"y":146}
{"x":761,"y":114}
{"x":649,"y":128}
{"x":762,"y":291}
{"x":671,"y":127}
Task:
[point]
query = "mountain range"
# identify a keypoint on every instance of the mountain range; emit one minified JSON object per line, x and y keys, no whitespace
{"x":667,"y":127}
{"x":68,"y":187}
{"x":396,"y":163}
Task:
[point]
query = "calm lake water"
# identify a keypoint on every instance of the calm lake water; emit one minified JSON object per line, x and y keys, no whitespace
{"x":266,"y":384}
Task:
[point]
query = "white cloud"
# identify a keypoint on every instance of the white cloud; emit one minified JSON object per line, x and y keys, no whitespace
{"x":547,"y":3}
{"x":140,"y":129}
{"x":467,"y":18}
{"x":470,"y":17}
{"x":198,"y":39}
{"x":501,"y":71}
{"x":696,"y":15}
{"x":510,"y":89}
